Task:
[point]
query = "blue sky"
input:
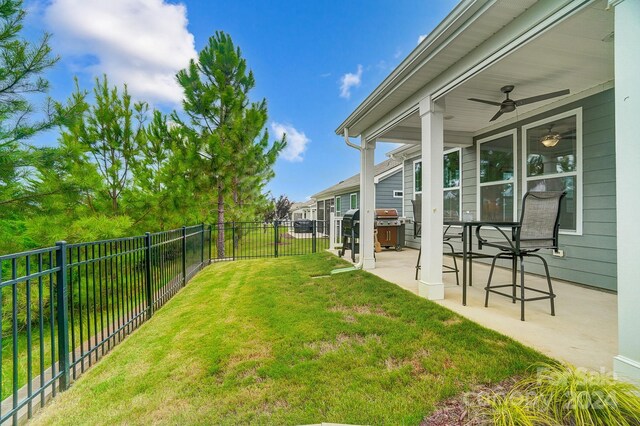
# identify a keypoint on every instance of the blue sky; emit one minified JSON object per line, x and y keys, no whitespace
{"x":314,"y":61}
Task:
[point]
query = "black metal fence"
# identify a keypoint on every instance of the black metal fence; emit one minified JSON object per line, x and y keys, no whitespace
{"x":64,"y":307}
{"x":247,"y":240}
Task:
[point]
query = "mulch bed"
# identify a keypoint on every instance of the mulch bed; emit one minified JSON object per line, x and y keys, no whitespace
{"x":459,"y":410}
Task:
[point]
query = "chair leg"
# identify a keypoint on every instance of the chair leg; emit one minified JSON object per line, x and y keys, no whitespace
{"x":418,"y":264}
{"x":486,"y":289}
{"x":521,"y":288}
{"x":514,"y":277}
{"x":455,"y":263}
{"x":552,"y":295}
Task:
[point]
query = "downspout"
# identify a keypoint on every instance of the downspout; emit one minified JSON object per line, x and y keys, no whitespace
{"x":359,"y":148}
{"x":348,"y":141}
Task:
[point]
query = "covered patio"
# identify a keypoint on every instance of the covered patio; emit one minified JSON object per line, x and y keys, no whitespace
{"x":427,"y":105}
{"x":578,"y":333}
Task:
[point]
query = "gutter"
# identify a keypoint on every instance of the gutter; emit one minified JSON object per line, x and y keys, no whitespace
{"x":464,"y":10}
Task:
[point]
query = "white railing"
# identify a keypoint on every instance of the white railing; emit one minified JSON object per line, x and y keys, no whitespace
{"x":335,"y":231}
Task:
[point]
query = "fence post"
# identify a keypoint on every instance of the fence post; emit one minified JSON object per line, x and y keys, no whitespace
{"x":233,"y":240}
{"x":275,"y":238}
{"x":202,"y":247}
{"x":332,"y":230}
{"x":62,"y":311}
{"x":314,"y":235}
{"x":210,"y":240}
{"x":147,"y":267}
{"x":184,"y":255}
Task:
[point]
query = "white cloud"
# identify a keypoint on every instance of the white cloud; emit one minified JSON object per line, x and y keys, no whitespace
{"x":421,"y":37}
{"x":142,"y":43}
{"x":348,"y":81}
{"x":296,"y":141}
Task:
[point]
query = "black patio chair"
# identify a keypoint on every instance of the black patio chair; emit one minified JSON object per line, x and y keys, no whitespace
{"x":537,"y":230}
{"x":448,"y":236}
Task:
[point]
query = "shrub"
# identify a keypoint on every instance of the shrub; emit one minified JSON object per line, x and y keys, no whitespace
{"x":566,"y":395}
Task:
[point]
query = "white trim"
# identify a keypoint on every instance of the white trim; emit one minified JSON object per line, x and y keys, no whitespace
{"x":577,"y":112}
{"x":404,"y":192}
{"x":463,"y":14}
{"x":353,"y":194}
{"x":387,"y":173}
{"x":394,"y":195}
{"x":413,"y":170}
{"x":513,"y":180}
{"x":626,"y":369}
{"x":338,"y":213}
{"x":459,"y":187}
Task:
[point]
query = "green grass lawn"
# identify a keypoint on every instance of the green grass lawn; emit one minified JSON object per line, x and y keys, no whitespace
{"x":263,"y":342}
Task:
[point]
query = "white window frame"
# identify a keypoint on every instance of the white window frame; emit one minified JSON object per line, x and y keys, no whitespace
{"x":513,"y":180}
{"x":398,"y":193}
{"x":413,"y":170}
{"x":459,"y":187}
{"x":338,"y":203}
{"x":351,"y":196}
{"x":577,"y":112}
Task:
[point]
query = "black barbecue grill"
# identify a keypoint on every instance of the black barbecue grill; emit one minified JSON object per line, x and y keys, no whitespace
{"x":390,"y":228}
{"x":350,"y":233}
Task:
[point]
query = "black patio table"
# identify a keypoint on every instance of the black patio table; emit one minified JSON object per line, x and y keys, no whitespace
{"x":467,"y":247}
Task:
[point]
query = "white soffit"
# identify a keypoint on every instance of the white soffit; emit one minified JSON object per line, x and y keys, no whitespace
{"x":575,"y":55}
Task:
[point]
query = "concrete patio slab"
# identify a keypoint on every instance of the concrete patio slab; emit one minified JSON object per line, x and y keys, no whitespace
{"x":583,"y":331}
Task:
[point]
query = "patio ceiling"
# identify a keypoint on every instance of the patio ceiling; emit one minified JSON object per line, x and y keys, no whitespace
{"x":577,"y":54}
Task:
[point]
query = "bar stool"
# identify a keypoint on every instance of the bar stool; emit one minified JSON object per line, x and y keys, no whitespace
{"x":447,"y":237}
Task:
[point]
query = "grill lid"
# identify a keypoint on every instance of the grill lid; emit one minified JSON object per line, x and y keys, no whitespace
{"x":386,"y":214}
{"x":351,"y":215}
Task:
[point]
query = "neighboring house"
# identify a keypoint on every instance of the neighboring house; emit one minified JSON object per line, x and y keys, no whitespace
{"x":304,"y":210}
{"x":345,"y":195}
{"x":450,"y":97}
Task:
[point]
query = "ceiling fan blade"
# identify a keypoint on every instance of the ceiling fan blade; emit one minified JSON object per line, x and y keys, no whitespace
{"x":485,"y":102}
{"x":495,"y":117}
{"x":539,"y":98}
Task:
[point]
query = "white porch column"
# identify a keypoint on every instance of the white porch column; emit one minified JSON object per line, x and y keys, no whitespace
{"x":431,"y":285}
{"x":367,"y":203}
{"x":627,"y":104}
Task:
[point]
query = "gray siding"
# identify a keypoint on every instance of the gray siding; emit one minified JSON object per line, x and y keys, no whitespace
{"x":590,"y":258}
{"x":345,"y":201}
{"x":384,"y":192}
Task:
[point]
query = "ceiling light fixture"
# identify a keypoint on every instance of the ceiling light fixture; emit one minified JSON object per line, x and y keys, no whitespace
{"x":550,"y":139}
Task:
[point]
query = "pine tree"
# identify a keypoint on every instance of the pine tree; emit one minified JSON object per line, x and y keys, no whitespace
{"x":21,"y":67}
{"x":225,"y":132}
{"x":109,"y":132}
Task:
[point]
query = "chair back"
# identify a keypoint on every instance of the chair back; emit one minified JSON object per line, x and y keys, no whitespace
{"x":417,"y":215}
{"x":539,"y":222}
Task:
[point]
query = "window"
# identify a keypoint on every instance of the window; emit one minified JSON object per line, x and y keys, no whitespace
{"x":451,"y":184}
{"x":397,"y":193}
{"x":338,"y":207}
{"x":496,"y":177}
{"x":556,"y":165}
{"x":353,"y":200}
{"x":417,"y":176}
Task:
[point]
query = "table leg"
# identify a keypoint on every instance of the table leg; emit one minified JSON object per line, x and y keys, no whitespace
{"x":464,"y":265}
{"x":470,"y":240}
